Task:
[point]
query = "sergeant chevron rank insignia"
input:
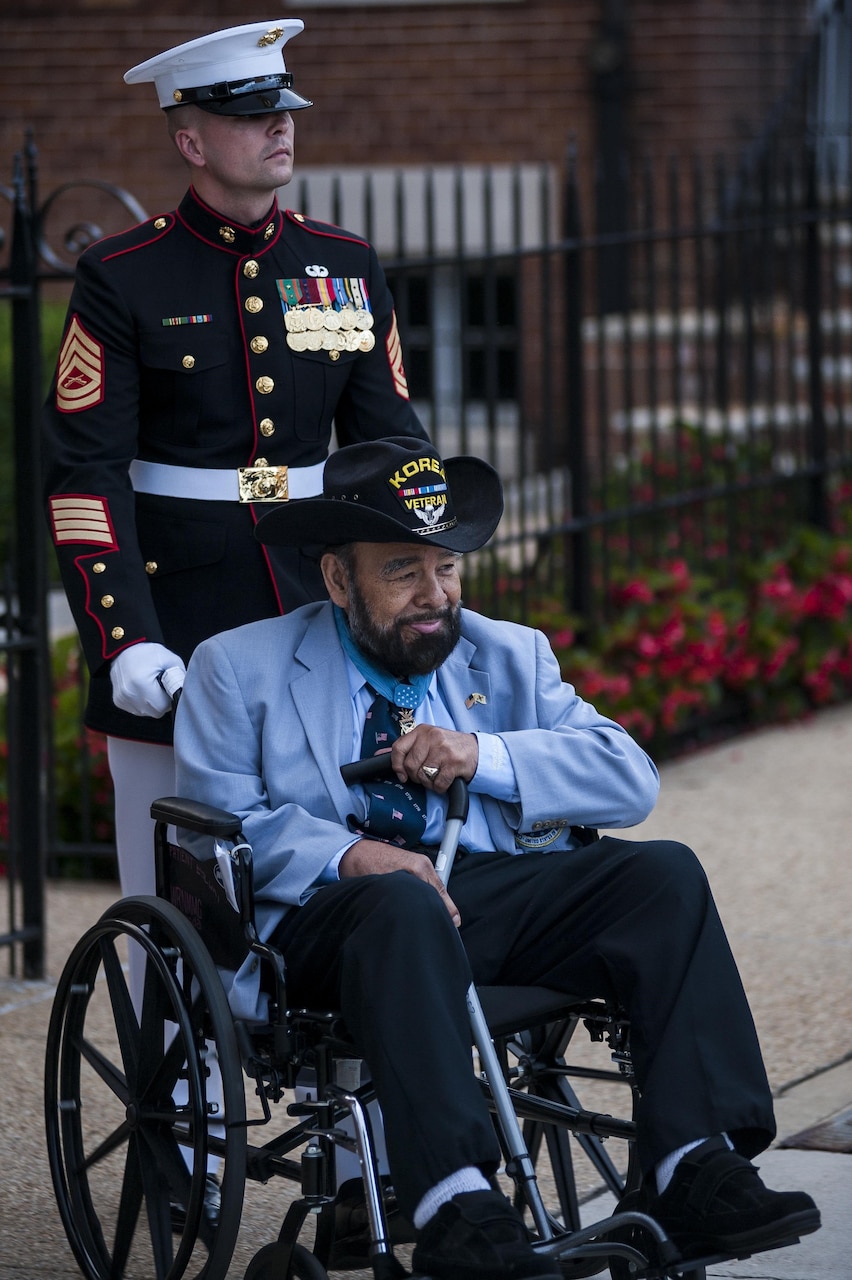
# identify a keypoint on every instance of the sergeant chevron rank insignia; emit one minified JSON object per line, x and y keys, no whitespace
{"x":80,"y":370}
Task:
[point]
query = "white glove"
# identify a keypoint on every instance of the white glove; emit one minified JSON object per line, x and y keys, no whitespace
{"x":136,"y":674}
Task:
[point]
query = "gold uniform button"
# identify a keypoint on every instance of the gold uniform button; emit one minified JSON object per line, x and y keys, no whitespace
{"x":159,"y":223}
{"x":259,"y":345}
{"x":260,"y":462}
{"x":300,"y":217}
{"x":265,"y":386}
{"x":251,"y":270}
{"x":267,"y":427}
{"x":228,"y":234}
{"x":117,"y":633}
{"x":99,"y":567}
{"x":334,"y":354}
{"x":188,"y":362}
{"x":151,"y":566}
{"x":254,"y":304}
{"x":107,"y":601}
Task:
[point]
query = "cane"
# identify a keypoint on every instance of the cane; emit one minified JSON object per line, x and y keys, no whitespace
{"x":457,"y":806}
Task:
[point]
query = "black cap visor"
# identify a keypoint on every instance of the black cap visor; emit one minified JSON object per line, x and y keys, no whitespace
{"x":259,"y":96}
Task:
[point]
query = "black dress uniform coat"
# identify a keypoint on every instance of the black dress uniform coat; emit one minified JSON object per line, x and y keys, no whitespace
{"x":177,"y":351}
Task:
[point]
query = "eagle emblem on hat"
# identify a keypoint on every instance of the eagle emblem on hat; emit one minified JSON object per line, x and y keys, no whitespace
{"x":429,"y":514}
{"x":272,"y":36}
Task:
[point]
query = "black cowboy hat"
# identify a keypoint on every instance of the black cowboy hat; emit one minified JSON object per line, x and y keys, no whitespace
{"x":392,"y":490}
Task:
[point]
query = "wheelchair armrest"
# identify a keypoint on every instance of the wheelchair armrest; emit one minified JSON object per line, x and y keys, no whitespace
{"x":194,"y":816}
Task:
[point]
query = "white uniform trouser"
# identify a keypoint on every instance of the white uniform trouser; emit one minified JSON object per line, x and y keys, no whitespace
{"x":141,"y":773}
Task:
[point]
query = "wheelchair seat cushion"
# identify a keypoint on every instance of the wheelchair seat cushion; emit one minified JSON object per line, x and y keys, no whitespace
{"x":509,"y":1009}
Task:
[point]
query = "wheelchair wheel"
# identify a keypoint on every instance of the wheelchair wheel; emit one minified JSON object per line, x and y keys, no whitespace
{"x":133,"y":1109}
{"x":267,"y":1264}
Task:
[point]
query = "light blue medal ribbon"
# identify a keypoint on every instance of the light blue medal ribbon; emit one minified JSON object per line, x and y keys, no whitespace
{"x":408,"y":694}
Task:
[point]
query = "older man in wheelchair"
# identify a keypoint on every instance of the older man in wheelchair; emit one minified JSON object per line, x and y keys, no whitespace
{"x":350,"y":894}
{"x":351,"y":889}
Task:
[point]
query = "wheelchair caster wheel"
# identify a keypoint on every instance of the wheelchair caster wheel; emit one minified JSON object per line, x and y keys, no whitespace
{"x":641,"y":1239}
{"x":270,"y":1263}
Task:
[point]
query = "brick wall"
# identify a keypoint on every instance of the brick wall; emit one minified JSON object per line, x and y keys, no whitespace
{"x":423,"y":84}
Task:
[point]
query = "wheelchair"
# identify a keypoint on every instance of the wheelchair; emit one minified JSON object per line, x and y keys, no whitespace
{"x":141,"y":1104}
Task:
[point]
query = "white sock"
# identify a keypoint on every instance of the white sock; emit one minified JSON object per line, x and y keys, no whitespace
{"x":664,"y":1170}
{"x":468,"y":1179}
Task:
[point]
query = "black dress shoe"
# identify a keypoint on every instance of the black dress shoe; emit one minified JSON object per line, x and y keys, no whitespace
{"x":478,"y":1235}
{"x":209,"y":1209}
{"x":717,"y":1203}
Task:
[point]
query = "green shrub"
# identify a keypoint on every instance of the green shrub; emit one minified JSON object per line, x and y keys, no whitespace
{"x":82,"y":787}
{"x":81,"y":778}
{"x":52,"y":322}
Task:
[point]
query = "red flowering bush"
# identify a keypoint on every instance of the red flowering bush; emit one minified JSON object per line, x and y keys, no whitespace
{"x":683,"y":654}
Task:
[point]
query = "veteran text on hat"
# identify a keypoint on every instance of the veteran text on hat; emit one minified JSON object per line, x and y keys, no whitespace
{"x":238,"y":71}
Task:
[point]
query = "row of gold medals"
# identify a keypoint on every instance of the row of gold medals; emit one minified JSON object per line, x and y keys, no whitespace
{"x":315,"y":328}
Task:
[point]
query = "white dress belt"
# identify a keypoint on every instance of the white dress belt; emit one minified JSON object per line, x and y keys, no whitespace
{"x":239,"y":484}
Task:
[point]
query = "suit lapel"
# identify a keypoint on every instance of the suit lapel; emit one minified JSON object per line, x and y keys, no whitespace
{"x":466,"y":690}
{"x":326,"y":722}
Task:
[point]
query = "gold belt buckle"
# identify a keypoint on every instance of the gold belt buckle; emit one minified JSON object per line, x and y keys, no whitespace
{"x":263,"y":484}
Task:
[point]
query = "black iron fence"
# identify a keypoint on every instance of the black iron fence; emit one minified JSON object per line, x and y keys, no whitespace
{"x":680,"y":389}
{"x":39,"y":244}
{"x":22,"y":634}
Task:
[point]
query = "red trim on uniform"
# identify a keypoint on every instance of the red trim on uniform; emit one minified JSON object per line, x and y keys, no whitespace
{"x":269,"y":569}
{"x":327,"y":229}
{"x":239,"y":226}
{"x":213,"y":244}
{"x":109,"y":646}
{"x":241,"y":318}
{"x":143,"y":244}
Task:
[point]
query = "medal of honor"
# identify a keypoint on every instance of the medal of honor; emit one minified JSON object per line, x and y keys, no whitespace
{"x":405,"y":719}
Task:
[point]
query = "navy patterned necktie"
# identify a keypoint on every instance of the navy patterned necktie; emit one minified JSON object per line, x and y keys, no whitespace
{"x":396,"y":811}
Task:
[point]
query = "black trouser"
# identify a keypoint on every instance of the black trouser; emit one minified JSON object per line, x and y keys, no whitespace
{"x":632,"y":921}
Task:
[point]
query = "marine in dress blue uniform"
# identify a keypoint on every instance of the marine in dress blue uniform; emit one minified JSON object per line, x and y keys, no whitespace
{"x":200,"y":359}
{"x":208,"y":355}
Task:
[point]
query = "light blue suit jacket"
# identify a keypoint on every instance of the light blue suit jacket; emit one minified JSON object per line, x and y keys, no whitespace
{"x":265,"y":721}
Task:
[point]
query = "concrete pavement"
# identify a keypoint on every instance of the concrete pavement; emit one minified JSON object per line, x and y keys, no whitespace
{"x":769,"y":815}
